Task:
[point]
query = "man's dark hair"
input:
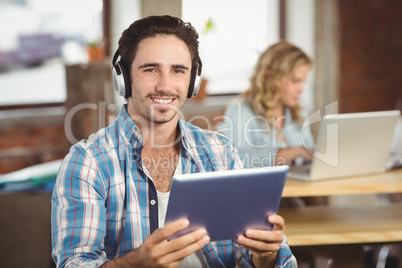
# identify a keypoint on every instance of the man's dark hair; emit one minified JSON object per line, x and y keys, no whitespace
{"x":152,"y":26}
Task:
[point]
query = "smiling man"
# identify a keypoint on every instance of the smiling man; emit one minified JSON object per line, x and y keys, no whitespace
{"x":160,"y":77}
{"x":111,"y":193}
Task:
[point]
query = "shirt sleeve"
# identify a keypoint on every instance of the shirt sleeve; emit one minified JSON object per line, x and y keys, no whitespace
{"x":285,"y":258}
{"x":78,"y":213}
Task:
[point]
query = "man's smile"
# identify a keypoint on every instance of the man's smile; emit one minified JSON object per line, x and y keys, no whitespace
{"x":163,"y":100}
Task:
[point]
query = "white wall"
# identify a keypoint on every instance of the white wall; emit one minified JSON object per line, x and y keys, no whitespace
{"x":124,"y":12}
{"x":300,"y":27}
{"x":230,"y":50}
{"x":273,"y":21}
{"x":300,"y":31}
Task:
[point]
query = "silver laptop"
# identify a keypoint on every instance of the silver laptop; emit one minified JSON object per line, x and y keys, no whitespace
{"x":350,"y":144}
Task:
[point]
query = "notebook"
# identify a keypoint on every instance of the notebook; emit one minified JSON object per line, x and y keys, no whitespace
{"x":350,"y":144}
{"x":226,"y":203}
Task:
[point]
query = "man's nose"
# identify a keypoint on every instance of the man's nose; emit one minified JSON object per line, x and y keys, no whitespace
{"x":164,"y":82}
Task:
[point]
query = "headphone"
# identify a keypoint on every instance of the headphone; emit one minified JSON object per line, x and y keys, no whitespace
{"x":122,"y":81}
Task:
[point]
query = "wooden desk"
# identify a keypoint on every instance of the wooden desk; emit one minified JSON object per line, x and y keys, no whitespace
{"x":328,"y":225}
{"x":388,"y":182}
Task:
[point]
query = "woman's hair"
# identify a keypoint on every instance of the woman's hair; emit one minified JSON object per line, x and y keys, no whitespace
{"x":152,"y":26}
{"x":274,"y":63}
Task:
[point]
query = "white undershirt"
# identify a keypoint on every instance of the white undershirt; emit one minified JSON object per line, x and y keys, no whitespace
{"x":195,"y":260}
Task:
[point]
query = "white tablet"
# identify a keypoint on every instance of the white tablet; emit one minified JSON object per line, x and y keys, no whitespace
{"x":226,"y":203}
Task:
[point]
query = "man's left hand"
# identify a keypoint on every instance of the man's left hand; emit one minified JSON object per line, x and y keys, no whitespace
{"x":264,"y":245}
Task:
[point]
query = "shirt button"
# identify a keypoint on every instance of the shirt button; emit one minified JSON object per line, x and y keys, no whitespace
{"x":153,"y":202}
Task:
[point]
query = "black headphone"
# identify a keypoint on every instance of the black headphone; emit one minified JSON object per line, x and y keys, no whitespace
{"x":122,"y":81}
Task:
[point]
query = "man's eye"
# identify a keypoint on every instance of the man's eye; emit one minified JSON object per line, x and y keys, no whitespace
{"x":178,"y":71}
{"x":150,"y":70}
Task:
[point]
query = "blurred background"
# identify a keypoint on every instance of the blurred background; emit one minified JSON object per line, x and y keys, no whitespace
{"x":55,"y":77}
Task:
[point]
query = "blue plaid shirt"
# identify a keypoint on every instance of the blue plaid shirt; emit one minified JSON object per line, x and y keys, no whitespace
{"x":101,"y":203}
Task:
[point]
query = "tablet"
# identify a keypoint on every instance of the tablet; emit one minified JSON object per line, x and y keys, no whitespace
{"x":226,"y":203}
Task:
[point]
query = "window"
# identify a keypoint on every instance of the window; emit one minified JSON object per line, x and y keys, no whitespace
{"x":38,"y":38}
{"x":232,"y":36}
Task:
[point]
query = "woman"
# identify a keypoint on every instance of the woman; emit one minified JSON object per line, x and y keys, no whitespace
{"x":266,"y":124}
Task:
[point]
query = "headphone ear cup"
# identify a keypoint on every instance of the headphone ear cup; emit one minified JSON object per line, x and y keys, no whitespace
{"x":127,"y":81}
{"x":197,"y":86}
{"x":121,"y":80}
{"x":118,"y":79}
{"x":195,"y":82}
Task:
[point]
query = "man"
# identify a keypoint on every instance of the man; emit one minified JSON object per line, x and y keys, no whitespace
{"x":110,"y":196}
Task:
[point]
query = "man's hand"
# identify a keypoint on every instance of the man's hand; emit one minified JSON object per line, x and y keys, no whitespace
{"x":156,"y":251}
{"x":264,"y":245}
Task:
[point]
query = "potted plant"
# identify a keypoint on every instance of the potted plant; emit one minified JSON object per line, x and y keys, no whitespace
{"x":96,"y":50}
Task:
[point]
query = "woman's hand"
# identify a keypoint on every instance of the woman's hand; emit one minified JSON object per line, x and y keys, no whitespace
{"x":287,"y":155}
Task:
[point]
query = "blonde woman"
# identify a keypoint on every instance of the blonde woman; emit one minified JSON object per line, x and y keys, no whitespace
{"x":265,"y":123}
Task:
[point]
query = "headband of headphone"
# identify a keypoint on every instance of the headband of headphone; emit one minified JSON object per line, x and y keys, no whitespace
{"x":122,"y":81}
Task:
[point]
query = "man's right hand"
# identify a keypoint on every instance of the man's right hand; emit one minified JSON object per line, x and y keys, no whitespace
{"x":157,"y":251}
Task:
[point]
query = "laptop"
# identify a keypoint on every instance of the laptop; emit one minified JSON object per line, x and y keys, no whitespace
{"x":350,"y":144}
{"x":226,"y":203}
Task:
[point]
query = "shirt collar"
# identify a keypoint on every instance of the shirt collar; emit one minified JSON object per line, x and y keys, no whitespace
{"x":130,"y":130}
{"x":187,"y":136}
{"x":133,"y":133}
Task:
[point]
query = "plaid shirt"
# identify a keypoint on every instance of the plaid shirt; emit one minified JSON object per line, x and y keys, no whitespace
{"x":103,"y":203}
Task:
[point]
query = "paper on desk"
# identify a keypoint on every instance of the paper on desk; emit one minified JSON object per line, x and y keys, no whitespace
{"x":394,"y":162}
{"x":395,"y":155}
{"x":36,"y":174}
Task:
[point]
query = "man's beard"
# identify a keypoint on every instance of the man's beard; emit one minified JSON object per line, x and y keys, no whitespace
{"x":156,"y":114}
